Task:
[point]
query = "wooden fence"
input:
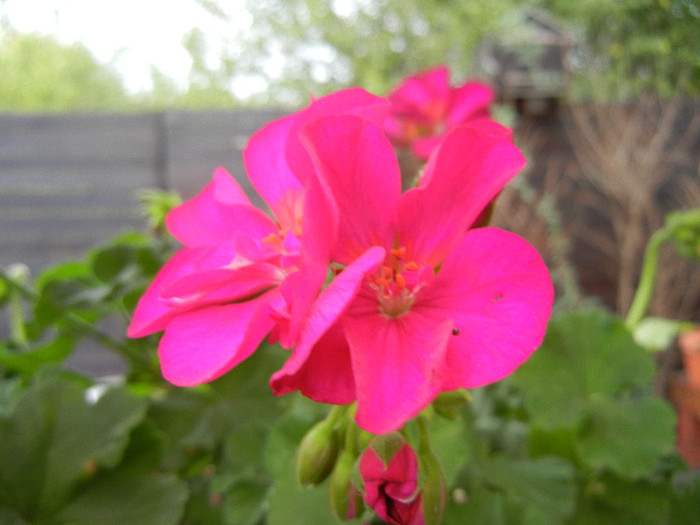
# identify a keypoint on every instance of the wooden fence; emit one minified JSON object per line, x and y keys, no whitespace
{"x":69,"y":182}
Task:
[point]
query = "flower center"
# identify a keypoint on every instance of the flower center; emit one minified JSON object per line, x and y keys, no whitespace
{"x":396,"y":285}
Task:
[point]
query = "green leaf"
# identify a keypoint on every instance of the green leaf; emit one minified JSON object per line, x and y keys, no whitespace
{"x":129,"y":494}
{"x":686,"y":498}
{"x":478,"y":505}
{"x":60,"y":272}
{"x":627,"y":436}
{"x":583,"y":355}
{"x":53,"y":435}
{"x":28,"y":362}
{"x":9,"y":516}
{"x":451,"y":445}
{"x":245,"y":502}
{"x":546,"y":484}
{"x":648,"y":501}
{"x":114,"y":264}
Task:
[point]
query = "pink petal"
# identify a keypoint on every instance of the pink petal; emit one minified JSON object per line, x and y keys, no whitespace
{"x":395,"y":362}
{"x":228,"y":284}
{"x":358,"y":164}
{"x":320,"y":230}
{"x":152,"y":314}
{"x":391,"y":490}
{"x":322,"y":316}
{"x":498,"y":292}
{"x":205,"y":343}
{"x":325,"y":375}
{"x":212,"y":216}
{"x":352,"y":101}
{"x":424,"y":91}
{"x":464,"y":174}
{"x":268,"y":170}
{"x":470,"y":101}
{"x":423,"y":147}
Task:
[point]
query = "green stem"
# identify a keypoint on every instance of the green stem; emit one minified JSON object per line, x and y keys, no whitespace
{"x":642,"y":296}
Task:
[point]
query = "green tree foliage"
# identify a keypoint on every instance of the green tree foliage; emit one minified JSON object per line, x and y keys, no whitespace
{"x":317,"y":46}
{"x":39,"y":74}
{"x":634,"y":46}
{"x":620,"y":49}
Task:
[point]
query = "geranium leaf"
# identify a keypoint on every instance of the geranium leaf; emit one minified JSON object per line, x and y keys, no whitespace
{"x":584,"y":355}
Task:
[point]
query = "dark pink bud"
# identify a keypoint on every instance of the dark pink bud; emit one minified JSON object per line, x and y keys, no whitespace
{"x":389,"y":470}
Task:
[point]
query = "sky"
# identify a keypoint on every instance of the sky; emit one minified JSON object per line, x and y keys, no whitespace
{"x":132,"y":35}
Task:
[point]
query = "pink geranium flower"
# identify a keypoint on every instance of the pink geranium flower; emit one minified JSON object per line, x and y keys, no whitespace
{"x":391,"y":485}
{"x":421,"y":303}
{"x":424,"y":107}
{"x":218,"y":297}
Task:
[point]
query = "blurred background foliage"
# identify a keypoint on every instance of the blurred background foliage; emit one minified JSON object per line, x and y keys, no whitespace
{"x":619,"y":50}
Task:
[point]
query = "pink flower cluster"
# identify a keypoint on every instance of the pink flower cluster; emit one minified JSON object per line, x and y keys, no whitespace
{"x":384,"y":298}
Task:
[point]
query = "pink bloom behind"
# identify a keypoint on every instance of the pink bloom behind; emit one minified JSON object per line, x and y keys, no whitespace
{"x":425,"y":107}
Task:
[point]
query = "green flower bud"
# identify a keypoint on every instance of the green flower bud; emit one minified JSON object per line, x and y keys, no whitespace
{"x":346,"y":500}
{"x":317,"y":454}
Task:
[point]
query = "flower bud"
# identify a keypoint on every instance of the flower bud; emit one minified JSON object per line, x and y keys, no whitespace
{"x":389,"y":470}
{"x":346,"y":500}
{"x":317,"y":454}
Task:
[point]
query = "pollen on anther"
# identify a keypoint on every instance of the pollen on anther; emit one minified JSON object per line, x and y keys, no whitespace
{"x":411,"y":265}
{"x":382,"y":282}
{"x":272,"y":238}
{"x":398,"y":252}
{"x":387,"y":271}
{"x":400,"y":280}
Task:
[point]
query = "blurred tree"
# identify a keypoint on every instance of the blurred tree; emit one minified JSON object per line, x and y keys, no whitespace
{"x":316,"y":46}
{"x":299,"y":47}
{"x":208,"y":85}
{"x":39,"y":74}
{"x":631,"y":47}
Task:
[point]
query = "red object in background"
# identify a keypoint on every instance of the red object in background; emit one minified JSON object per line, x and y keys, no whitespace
{"x":685,"y":392}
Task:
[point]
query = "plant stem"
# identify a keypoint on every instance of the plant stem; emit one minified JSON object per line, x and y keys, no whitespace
{"x":642,"y":296}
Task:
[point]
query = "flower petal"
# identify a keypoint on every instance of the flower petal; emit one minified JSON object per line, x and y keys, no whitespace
{"x":152,"y":314}
{"x":420,"y":96}
{"x":358,"y":163}
{"x":352,"y":101}
{"x":320,"y":230}
{"x":220,"y":209}
{"x":469,"y":101}
{"x":323,"y":315}
{"x":268,"y":170}
{"x":395,"y":362}
{"x":496,"y":288}
{"x":466,"y":172}
{"x":203,"y":344}
{"x":227,"y":284}
{"x":325,"y":376}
